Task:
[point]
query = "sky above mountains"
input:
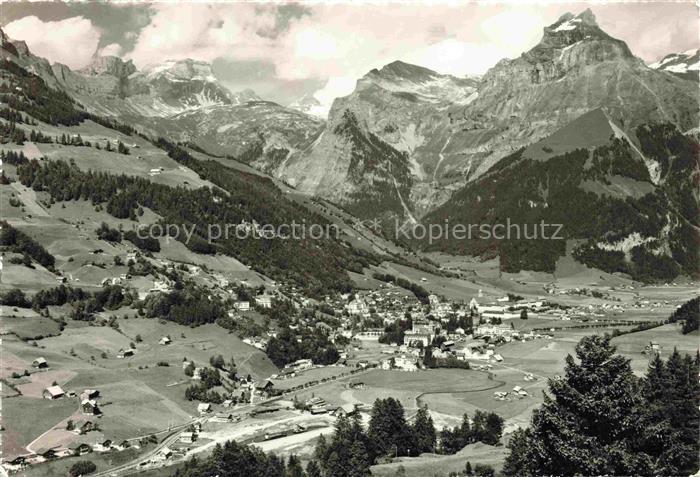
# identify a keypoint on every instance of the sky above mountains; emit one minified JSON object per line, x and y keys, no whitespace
{"x":286,"y":51}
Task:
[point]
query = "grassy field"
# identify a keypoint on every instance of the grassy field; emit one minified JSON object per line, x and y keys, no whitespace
{"x":103,"y":461}
{"x":138,"y":397}
{"x":25,"y":419}
{"x":428,"y":465}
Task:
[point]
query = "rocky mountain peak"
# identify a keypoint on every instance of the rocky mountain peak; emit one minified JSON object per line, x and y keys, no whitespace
{"x":571,"y":29}
{"x":14,"y":47}
{"x":182,"y":70}
{"x":406,"y":71}
{"x":111,"y":65}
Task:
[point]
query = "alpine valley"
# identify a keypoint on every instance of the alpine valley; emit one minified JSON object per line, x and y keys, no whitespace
{"x":443,"y":275}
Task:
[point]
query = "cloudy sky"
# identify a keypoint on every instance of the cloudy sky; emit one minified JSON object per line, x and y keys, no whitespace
{"x":284,"y":51}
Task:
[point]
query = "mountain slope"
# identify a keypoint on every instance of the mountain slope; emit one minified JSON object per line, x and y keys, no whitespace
{"x":138,"y":182}
{"x":183,"y":100}
{"x":601,"y":192}
{"x":353,"y":167}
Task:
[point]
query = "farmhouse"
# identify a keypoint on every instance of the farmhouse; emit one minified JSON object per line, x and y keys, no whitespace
{"x":223,"y":417}
{"x":242,"y":305}
{"x":53,"y":392}
{"x":345,"y":410}
{"x":40,"y":363}
{"x":46,"y":453}
{"x":125,"y":353}
{"x":89,"y":394}
{"x":165,"y":453}
{"x":14,"y":460}
{"x":266,"y":387}
{"x":165,"y":340}
{"x":204,"y":407}
{"x":80,"y":448}
{"x":89,"y":406}
{"x":83,"y":427}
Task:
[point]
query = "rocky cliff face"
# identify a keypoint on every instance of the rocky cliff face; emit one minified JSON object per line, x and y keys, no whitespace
{"x":378,"y":141}
{"x":452,"y":130}
{"x":576,"y":68}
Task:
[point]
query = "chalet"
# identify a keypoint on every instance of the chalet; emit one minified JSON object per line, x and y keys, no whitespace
{"x":89,"y":394}
{"x":345,"y":410}
{"x":80,"y":448}
{"x":40,"y":363}
{"x":165,"y":340}
{"x":104,"y":446}
{"x":266,"y":387}
{"x":264,"y":301}
{"x":14,"y":460}
{"x":89,"y":406}
{"x":124,"y":445}
{"x":125,"y":353}
{"x":165,"y":453}
{"x":53,"y":392}
{"x":83,"y":427}
{"x":46,"y":453}
{"x":204,"y":407}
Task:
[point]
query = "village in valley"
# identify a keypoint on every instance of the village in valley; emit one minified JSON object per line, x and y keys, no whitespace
{"x":242,"y":379}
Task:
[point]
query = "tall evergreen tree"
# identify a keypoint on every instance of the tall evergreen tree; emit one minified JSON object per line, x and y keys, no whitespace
{"x":591,"y":422}
{"x":424,"y":435}
{"x":388,"y":432}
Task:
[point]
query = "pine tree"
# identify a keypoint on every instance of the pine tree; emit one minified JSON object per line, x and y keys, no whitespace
{"x":591,"y":421}
{"x":312,"y":468}
{"x":516,"y":463}
{"x":388,"y":431}
{"x":424,"y":432}
{"x":294,"y":468}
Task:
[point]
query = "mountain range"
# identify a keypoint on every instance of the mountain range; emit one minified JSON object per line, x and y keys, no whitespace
{"x":410,"y":145}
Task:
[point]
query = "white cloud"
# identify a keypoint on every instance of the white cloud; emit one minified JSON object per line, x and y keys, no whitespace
{"x":71,"y":41}
{"x":202,"y":32}
{"x":113,"y":49}
{"x":456,"y":57}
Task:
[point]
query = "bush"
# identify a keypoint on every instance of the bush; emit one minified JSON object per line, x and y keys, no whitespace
{"x":82,"y":467}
